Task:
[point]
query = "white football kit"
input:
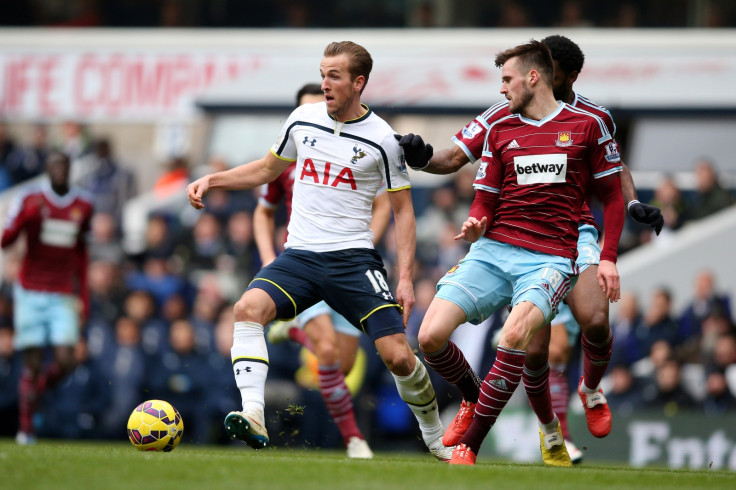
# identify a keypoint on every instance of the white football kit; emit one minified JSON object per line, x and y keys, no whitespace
{"x":340,"y":168}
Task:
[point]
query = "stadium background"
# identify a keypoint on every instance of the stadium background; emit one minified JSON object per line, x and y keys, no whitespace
{"x":178,"y":88}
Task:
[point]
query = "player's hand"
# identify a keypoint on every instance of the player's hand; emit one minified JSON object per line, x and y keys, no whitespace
{"x":197,"y":190}
{"x":609,"y":280}
{"x":405,"y":297}
{"x":646,"y":214}
{"x":417,"y":153}
{"x":473,"y":229}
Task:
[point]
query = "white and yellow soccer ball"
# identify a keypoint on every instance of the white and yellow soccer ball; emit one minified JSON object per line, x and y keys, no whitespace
{"x":155,"y":425}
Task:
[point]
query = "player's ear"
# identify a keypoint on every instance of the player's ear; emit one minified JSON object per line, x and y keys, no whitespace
{"x":572,"y":77}
{"x":359,"y":83}
{"x":533,"y":77}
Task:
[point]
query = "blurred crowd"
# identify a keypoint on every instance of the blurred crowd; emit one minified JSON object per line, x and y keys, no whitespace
{"x":381,"y":13}
{"x":161,"y":318}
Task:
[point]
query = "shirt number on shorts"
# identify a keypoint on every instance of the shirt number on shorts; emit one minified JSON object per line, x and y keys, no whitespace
{"x":553,"y":276}
{"x":590,"y":255}
{"x":379,"y":283}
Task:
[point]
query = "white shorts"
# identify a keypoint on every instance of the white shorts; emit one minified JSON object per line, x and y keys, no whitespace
{"x":42,"y":318}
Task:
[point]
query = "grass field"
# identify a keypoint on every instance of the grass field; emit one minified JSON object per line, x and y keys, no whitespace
{"x":92,"y":466}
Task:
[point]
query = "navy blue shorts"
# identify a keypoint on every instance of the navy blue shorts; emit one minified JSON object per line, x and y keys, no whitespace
{"x":353,"y":282}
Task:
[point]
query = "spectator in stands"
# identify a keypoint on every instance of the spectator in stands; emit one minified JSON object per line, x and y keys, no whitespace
{"x":710,"y":196}
{"x":724,"y":351}
{"x":668,"y":198}
{"x":718,"y":399}
{"x":667,"y":393}
{"x":160,"y":238}
{"x":625,"y":327}
{"x":572,"y":14}
{"x":174,"y":178}
{"x":106,"y":290}
{"x":7,"y":154}
{"x":26,"y":163}
{"x":78,"y":404}
{"x":181,"y":376}
{"x":240,"y":246}
{"x":125,"y":370}
{"x":658,"y":322}
{"x":110,"y":184}
{"x":706,"y":300}
{"x":105,"y":239}
{"x":625,"y":394}
{"x":140,"y":307}
{"x":11,"y":365}
{"x":201,"y":246}
{"x":75,"y":141}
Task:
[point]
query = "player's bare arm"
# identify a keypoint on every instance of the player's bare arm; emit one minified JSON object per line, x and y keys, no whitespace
{"x":447,"y":161}
{"x":264,"y":226}
{"x":405,"y":248}
{"x":608,"y":191}
{"x":247,"y":176}
{"x":380,"y":216}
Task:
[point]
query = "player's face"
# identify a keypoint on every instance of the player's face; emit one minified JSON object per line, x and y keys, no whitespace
{"x":339,"y":89}
{"x":515,"y":86}
{"x":57,"y":168}
{"x":562,"y":84}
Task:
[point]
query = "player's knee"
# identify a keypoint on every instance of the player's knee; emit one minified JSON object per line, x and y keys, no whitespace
{"x":430,"y":341}
{"x":513,"y":338}
{"x":400,"y":361}
{"x":596,"y":328}
{"x":246,"y":310}
{"x":536,"y":356}
{"x":326,"y":352}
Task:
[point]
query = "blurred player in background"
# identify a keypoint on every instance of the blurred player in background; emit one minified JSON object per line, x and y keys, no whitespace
{"x":344,"y":153}
{"x":589,"y":305}
{"x":320,"y":329}
{"x":55,"y":219}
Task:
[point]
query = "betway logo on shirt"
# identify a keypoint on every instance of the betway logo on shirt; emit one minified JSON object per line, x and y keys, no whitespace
{"x":541,"y":169}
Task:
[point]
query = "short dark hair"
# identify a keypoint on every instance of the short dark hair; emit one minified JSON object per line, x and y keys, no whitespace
{"x":532,"y":55}
{"x":568,"y":54}
{"x":58,"y":155}
{"x":308,"y":89}
{"x":360,"y":62}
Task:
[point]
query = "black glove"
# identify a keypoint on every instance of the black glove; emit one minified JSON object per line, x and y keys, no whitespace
{"x":649,"y":215}
{"x":416,"y":152}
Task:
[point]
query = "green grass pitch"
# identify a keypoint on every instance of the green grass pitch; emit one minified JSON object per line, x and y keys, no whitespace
{"x":112,"y":465}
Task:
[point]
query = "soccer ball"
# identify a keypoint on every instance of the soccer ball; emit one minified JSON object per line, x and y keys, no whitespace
{"x":155,"y":425}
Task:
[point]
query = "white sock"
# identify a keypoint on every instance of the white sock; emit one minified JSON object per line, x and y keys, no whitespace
{"x":549,"y":428}
{"x":587,"y":390}
{"x":250,"y":363}
{"x":417,"y":391}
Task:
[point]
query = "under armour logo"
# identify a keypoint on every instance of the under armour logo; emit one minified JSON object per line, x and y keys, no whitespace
{"x":306,"y":141}
{"x":246,"y":369}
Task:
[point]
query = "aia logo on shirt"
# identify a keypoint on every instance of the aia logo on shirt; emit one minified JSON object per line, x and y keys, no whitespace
{"x":327,"y":175}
